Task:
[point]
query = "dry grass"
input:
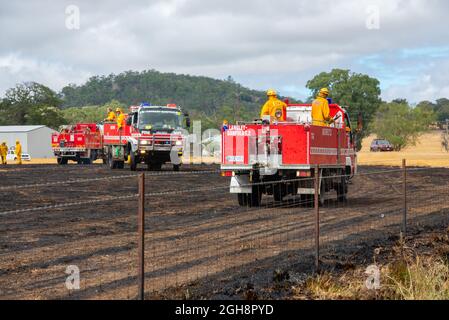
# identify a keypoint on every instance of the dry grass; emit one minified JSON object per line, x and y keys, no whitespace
{"x":409,"y":278}
{"x":421,"y":279}
{"x":428,"y":152}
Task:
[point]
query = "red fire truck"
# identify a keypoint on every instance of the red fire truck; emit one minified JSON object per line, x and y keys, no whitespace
{"x":152,"y":135}
{"x":82,"y":143}
{"x":279,"y":158}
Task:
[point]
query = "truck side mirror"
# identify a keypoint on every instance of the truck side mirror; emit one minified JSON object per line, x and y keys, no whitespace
{"x":129,"y":120}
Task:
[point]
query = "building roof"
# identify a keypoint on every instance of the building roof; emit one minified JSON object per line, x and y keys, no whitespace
{"x":4,"y":129}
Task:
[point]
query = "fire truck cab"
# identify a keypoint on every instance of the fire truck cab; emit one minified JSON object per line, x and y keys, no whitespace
{"x":280,"y":158}
{"x":152,"y":135}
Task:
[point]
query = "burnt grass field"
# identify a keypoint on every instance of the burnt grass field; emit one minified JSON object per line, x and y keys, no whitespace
{"x":199,"y":242}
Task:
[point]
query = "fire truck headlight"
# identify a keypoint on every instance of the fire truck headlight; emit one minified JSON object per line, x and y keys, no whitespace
{"x":179,"y":143}
{"x":143,"y":142}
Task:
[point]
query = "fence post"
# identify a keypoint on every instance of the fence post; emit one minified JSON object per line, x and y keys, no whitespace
{"x":404,"y":191}
{"x":317,"y":218}
{"x":141,"y":241}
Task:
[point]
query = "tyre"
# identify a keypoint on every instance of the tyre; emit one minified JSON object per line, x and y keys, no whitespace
{"x":242,"y":199}
{"x":120,"y":164}
{"x":154,"y":166}
{"x":133,"y":162}
{"x":176,"y":167}
{"x":62,"y":161}
{"x":255,"y":198}
{"x":112,"y":163}
{"x":279,"y":191}
{"x":342,"y":190}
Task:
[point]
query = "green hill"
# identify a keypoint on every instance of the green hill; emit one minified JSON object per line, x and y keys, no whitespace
{"x":205,"y":98}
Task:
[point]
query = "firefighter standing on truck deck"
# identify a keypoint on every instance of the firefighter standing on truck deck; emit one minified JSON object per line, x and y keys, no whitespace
{"x":274,"y":107}
{"x":18,"y":152}
{"x":320,"y":109}
{"x":3,"y":152}
{"x":120,"y":118}
{"x":111,"y":115}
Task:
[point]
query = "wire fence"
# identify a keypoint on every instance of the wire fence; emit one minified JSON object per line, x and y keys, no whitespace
{"x":196,"y":235}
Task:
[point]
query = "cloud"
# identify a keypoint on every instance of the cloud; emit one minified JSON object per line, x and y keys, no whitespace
{"x":262,"y":44}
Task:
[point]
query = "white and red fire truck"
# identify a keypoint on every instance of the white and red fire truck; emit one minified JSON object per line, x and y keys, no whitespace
{"x":82,"y":143}
{"x":152,"y":135}
{"x":279,"y":158}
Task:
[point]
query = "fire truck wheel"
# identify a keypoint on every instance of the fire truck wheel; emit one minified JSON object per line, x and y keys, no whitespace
{"x":321,"y":197}
{"x":342,"y":190}
{"x":176,"y":167}
{"x":243,"y":199}
{"x":62,"y":161}
{"x":133,"y":162}
{"x":279,"y":191}
{"x":255,"y":198}
{"x":112,"y":164}
{"x":155,"y":166}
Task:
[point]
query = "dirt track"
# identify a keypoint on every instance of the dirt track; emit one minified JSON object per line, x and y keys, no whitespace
{"x":191,"y":237}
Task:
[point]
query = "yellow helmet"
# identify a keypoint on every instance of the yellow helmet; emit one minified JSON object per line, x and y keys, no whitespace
{"x":324,"y":91}
{"x":118,"y":110}
{"x":17,"y":141}
{"x":225,"y":121}
{"x":271,"y":93}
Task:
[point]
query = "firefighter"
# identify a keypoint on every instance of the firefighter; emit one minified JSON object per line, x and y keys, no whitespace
{"x":18,"y":152}
{"x":120,"y":118}
{"x":111,"y":115}
{"x":3,"y":152}
{"x":320,"y":109}
{"x":274,"y":107}
{"x":225,"y":125}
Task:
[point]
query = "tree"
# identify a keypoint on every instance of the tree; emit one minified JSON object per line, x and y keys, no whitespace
{"x":32,"y":103}
{"x":358,"y":93}
{"x":400,"y":124}
{"x":90,"y":114}
{"x":442,"y":109}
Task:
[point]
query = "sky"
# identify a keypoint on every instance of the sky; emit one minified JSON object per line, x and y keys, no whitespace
{"x":262,"y":44}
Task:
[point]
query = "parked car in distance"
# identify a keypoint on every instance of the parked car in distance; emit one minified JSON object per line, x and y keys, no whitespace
{"x":11,"y":156}
{"x":379,"y":145}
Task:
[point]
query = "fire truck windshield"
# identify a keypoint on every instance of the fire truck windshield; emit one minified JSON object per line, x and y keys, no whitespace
{"x":159,"y":120}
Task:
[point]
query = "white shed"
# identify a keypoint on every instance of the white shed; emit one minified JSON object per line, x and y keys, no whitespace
{"x":35,"y":140}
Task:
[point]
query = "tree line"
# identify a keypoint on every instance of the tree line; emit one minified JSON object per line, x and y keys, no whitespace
{"x":212,"y":100}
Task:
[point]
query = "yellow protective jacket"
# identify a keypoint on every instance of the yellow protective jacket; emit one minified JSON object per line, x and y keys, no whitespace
{"x":3,"y":150}
{"x":320,"y":112}
{"x":111,"y":116}
{"x":121,"y":120}
{"x":271,"y":106}
{"x":18,"y":150}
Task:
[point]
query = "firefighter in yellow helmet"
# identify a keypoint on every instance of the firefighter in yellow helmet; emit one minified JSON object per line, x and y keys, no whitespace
{"x":320,"y":109}
{"x":18,"y":152}
{"x":111,"y":115}
{"x":120,"y":118}
{"x":3,"y":152}
{"x":274,"y":107}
